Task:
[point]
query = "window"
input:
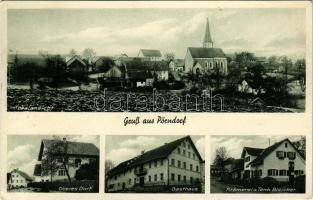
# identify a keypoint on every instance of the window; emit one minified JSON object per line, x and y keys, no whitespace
{"x":247,"y":159}
{"x":115,"y":177}
{"x":17,"y":181}
{"x":260,"y":172}
{"x":188,"y":146}
{"x":135,"y":180}
{"x":280,"y":154}
{"x":184,"y":152}
{"x":185,"y":180}
{"x":282,"y":172}
{"x":173,"y":177}
{"x":149,"y":164}
{"x":156,"y":163}
{"x":130,"y":181}
{"x":178,"y":164}
{"x":190,"y":167}
{"x":299,"y":172}
{"x":191,"y":180}
{"x":161,"y":162}
{"x":155,"y":177}
{"x":78,"y":162}
{"x":161,"y":177}
{"x":184,"y":164}
{"x":149,"y":178}
{"x":178,"y":177}
{"x":197,"y":168}
{"x":61,"y":172}
{"x":206,"y":64}
{"x":184,"y":144}
{"x":272,"y":172}
{"x":193,"y":156}
{"x":291,"y":155}
{"x":189,"y":154}
{"x":222,"y":64}
{"x":173,"y":161}
{"x":286,"y":145}
{"x":178,"y":150}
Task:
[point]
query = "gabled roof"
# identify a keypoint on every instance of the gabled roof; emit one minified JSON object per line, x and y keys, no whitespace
{"x":269,"y":150}
{"x":251,"y":151}
{"x":73,"y":148}
{"x":151,"y":53}
{"x":72,"y":59}
{"x":23,"y":174}
{"x":199,"y":52}
{"x":154,"y":154}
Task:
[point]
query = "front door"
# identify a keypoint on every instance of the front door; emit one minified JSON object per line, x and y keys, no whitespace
{"x":291,"y":171}
{"x":142,"y":181}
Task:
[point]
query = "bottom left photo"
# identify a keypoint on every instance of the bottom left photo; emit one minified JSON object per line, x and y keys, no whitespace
{"x":53,"y":163}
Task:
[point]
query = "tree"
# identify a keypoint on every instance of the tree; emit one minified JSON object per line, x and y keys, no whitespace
{"x":72,"y":53}
{"x":55,"y":68}
{"x":106,"y":64}
{"x":109,"y":165}
{"x":88,"y":171}
{"x":55,"y":157}
{"x":169,"y":56}
{"x":256,"y":76}
{"x":301,"y":145}
{"x":300,"y":67}
{"x":89,"y":54}
{"x":245,"y":60}
{"x":221,"y":155}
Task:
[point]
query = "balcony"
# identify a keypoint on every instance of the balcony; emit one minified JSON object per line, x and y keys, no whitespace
{"x":140,"y":172}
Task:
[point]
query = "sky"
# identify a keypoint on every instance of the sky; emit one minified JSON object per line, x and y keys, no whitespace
{"x":123,"y":147}
{"x":234,"y":144}
{"x":111,"y":32}
{"x":23,"y":150}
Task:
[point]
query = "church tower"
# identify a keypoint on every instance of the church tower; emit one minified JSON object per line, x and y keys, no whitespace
{"x":207,"y":43}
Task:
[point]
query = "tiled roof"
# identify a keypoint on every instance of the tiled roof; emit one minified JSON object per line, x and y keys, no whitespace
{"x":23,"y":174}
{"x":73,"y":148}
{"x":270,"y":149}
{"x":253,"y":151}
{"x":199,"y":52}
{"x":151,"y":53}
{"x":154,"y":154}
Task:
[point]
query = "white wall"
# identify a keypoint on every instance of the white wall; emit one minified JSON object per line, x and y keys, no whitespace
{"x":17,"y":180}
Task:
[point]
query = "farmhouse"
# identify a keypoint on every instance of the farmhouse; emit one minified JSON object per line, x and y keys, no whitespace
{"x":58,"y":156}
{"x":150,"y":55}
{"x":206,"y":59}
{"x":18,"y":178}
{"x":281,"y":161}
{"x":177,"y":163}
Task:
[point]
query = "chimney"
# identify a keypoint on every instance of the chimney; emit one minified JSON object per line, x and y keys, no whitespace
{"x":142,"y":152}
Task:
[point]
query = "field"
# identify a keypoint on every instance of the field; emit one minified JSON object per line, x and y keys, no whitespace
{"x":112,"y":101}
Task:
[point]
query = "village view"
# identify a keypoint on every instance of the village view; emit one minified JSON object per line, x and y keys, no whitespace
{"x":206,"y":80}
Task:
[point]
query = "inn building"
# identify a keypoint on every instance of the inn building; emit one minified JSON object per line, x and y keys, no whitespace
{"x":177,"y":163}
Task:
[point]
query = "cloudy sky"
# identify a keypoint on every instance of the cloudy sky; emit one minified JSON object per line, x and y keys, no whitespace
{"x":123,"y":147}
{"x":114,"y":31}
{"x":23,"y":150}
{"x":235,"y":144}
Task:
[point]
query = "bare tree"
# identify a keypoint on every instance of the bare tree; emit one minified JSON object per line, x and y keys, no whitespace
{"x":221,"y":154}
{"x":72,"y":53}
{"x":169,"y":56}
{"x":109,"y":165}
{"x":89,"y":54}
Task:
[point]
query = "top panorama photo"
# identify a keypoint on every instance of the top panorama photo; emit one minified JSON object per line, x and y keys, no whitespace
{"x":156,"y":60}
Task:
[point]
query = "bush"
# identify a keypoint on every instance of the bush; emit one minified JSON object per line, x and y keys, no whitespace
{"x":300,"y":184}
{"x":269,"y":182}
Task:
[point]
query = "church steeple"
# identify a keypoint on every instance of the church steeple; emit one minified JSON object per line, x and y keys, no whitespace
{"x":208,"y":42}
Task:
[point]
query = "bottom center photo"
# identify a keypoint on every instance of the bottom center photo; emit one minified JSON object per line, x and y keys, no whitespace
{"x":154,"y":164}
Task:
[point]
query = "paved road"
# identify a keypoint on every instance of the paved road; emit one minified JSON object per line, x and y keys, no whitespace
{"x":217,"y":186}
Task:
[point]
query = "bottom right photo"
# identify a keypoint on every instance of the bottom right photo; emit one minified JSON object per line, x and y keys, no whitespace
{"x":257,"y":164}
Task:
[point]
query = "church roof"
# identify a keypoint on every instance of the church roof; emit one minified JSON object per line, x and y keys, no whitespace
{"x":151,"y":53}
{"x":199,"y":52}
{"x":207,"y":36}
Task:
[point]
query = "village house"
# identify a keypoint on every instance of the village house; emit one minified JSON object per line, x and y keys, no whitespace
{"x":177,"y":163}
{"x":177,"y":65}
{"x":54,"y":151}
{"x":150,"y":55}
{"x":206,"y":59}
{"x":281,"y":161}
{"x":76,"y":65}
{"x":18,"y":179}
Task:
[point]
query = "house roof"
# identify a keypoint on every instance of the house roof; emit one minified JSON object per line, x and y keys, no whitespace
{"x":238,"y":165}
{"x":269,"y":150}
{"x":151,"y":53}
{"x":154,"y":154}
{"x":251,"y":151}
{"x":199,"y":52}
{"x":72,"y":59}
{"x":73,"y":148}
{"x":23,"y":174}
{"x":156,"y":65}
{"x":37,"y":170}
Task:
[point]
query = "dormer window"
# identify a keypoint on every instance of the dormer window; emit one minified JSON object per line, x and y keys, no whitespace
{"x":247,"y":159}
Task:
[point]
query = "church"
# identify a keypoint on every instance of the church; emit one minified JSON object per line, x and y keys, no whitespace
{"x":206,"y":59}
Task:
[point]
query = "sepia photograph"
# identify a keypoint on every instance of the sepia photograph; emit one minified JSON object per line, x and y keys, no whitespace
{"x":53,"y":163}
{"x":154,"y":164}
{"x":258,"y":164}
{"x":156,"y":60}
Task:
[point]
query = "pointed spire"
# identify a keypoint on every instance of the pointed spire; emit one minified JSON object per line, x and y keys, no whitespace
{"x":208,"y":42}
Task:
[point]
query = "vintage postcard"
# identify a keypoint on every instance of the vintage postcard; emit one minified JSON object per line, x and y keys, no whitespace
{"x":157,"y":60}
